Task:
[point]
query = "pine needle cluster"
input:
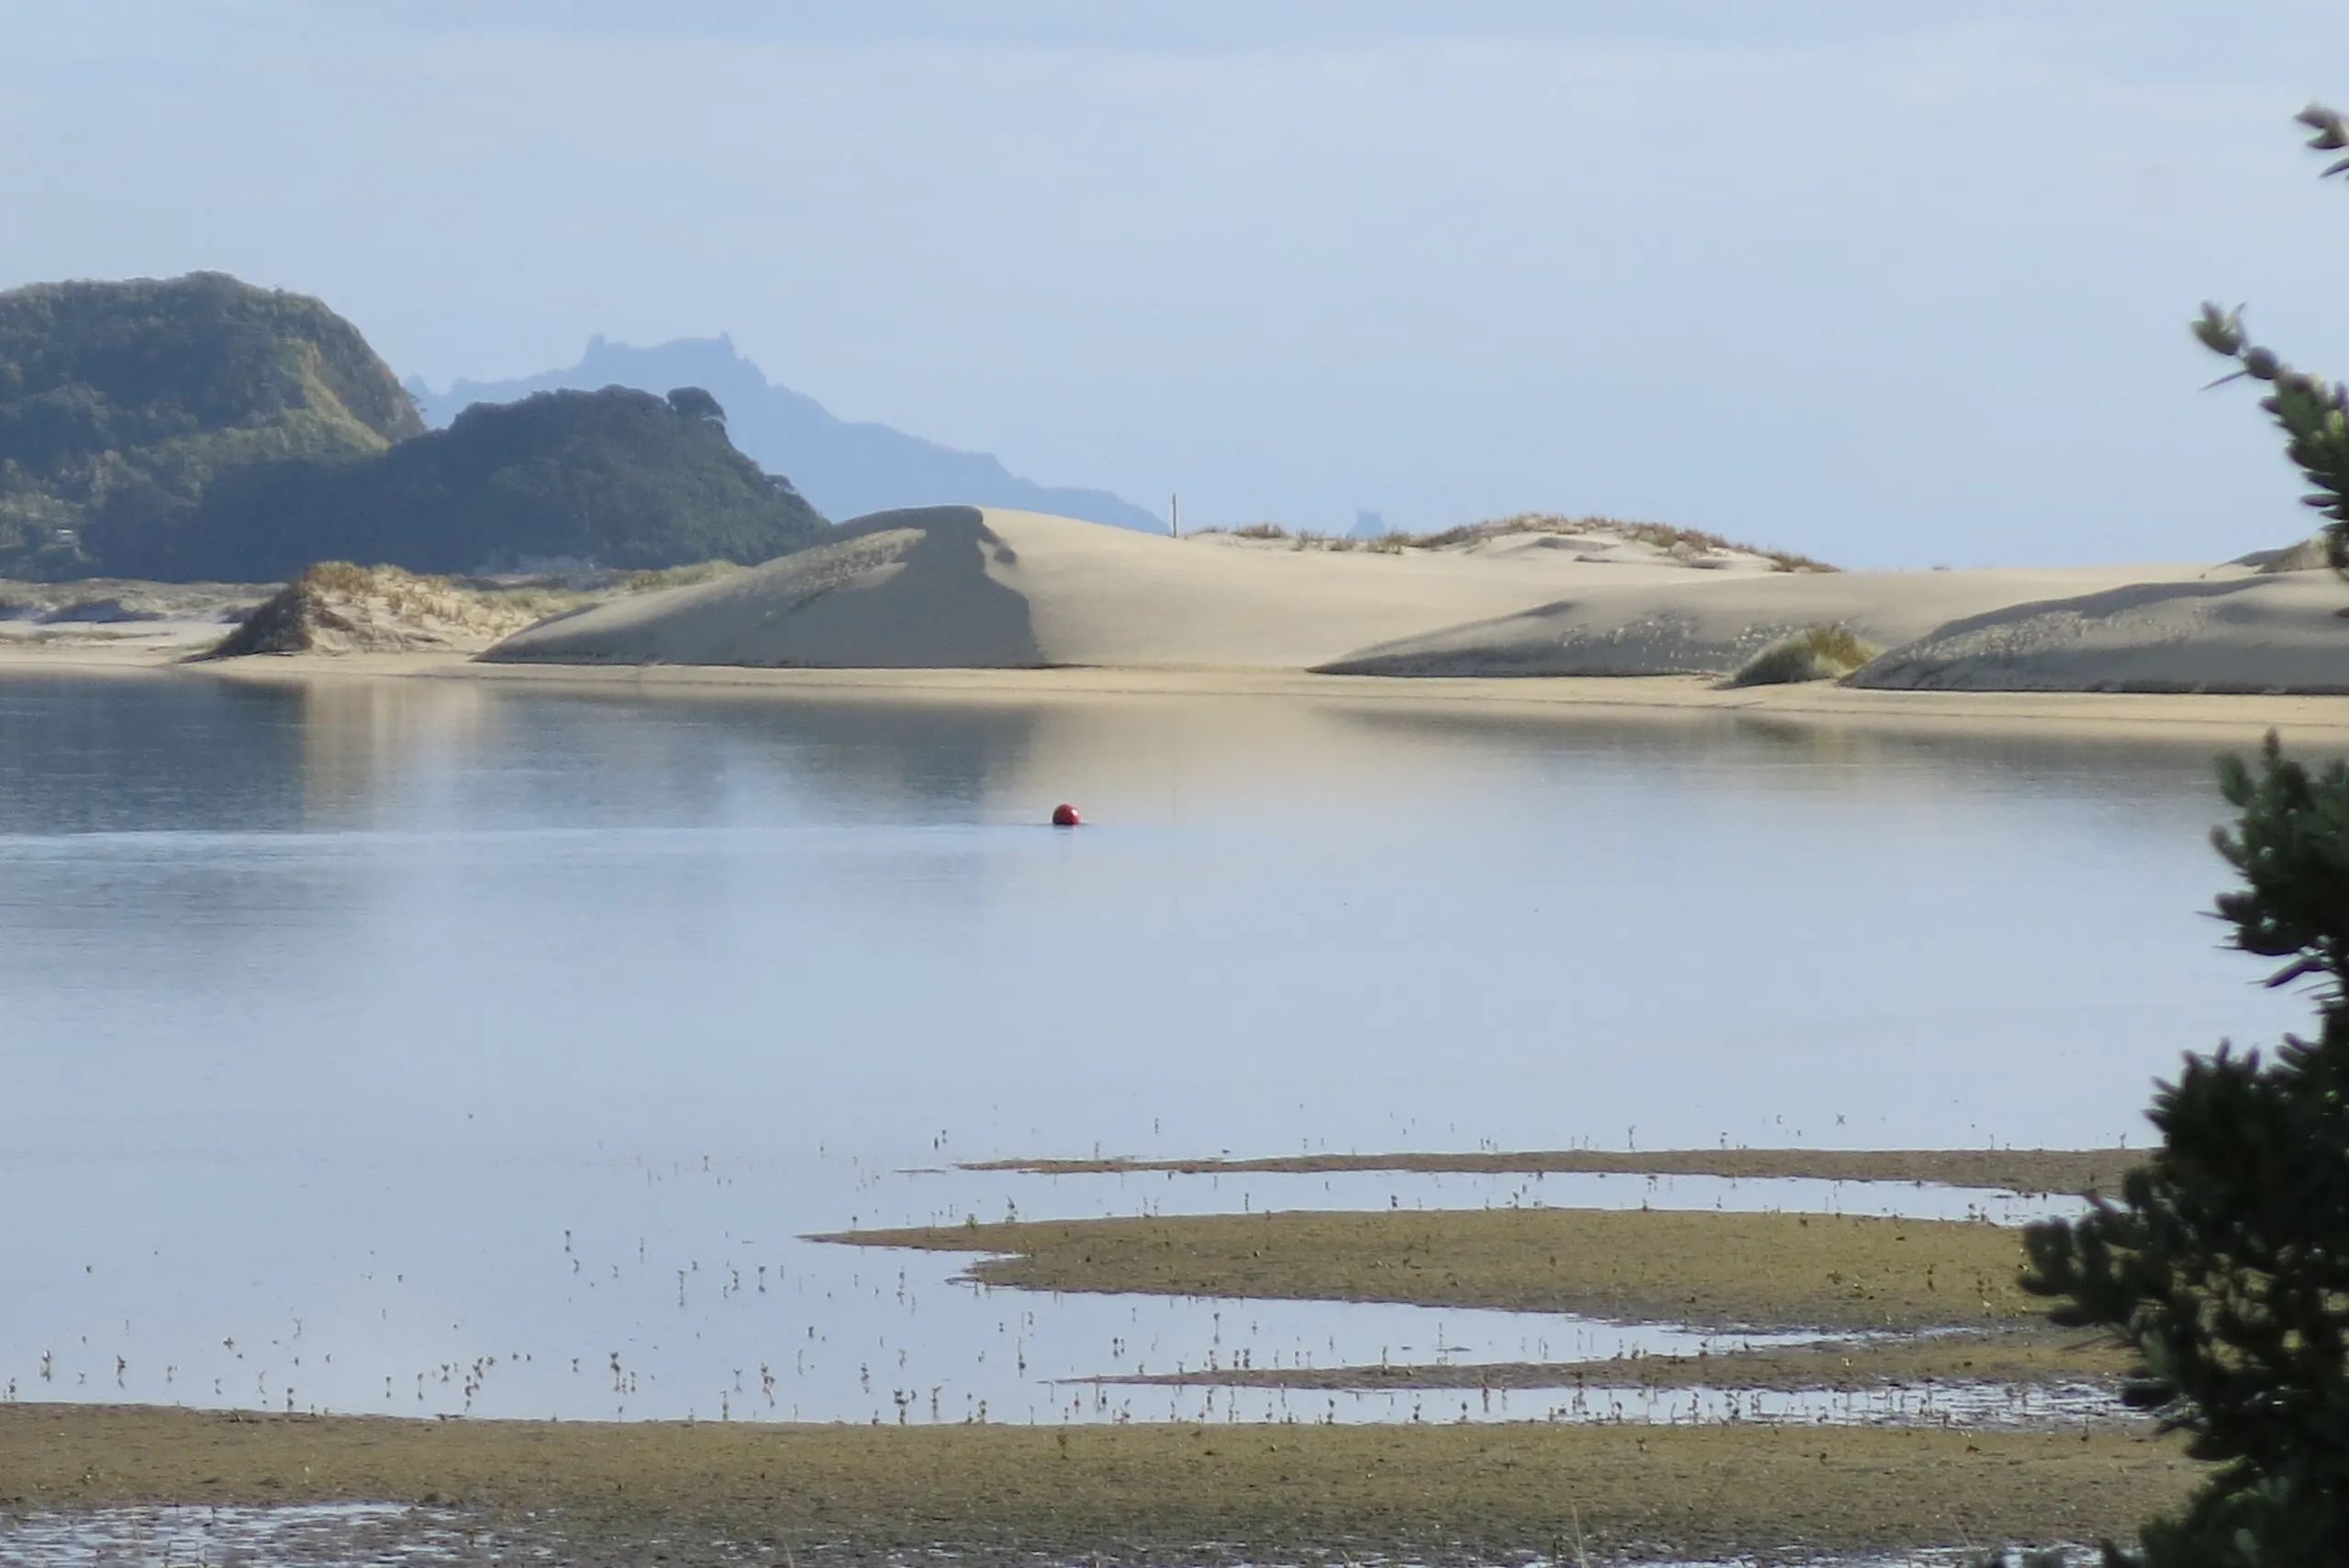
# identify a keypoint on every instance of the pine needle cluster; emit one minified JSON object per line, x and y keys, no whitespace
{"x":2312,"y":411}
{"x":2225,"y":1264}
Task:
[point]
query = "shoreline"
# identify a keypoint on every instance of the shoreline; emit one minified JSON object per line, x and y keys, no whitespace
{"x":2186,"y":718}
{"x":2033,"y":1356}
{"x":597,"y":1494}
{"x":2019,"y":1170}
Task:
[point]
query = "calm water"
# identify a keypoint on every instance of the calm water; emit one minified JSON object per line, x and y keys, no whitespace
{"x":500,"y":1045}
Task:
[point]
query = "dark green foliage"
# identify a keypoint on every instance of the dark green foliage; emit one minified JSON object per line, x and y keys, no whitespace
{"x":618,"y":478}
{"x":121,"y":402}
{"x":2313,"y":412}
{"x":696,"y":404}
{"x":200,"y":428}
{"x":2226,"y":1263}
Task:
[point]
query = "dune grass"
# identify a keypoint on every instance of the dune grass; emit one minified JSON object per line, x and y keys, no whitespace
{"x":1814,"y":653}
{"x":1688,"y":544}
{"x":1684,"y":543}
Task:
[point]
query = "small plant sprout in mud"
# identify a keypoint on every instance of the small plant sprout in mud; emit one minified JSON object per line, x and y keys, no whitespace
{"x":1814,"y":653}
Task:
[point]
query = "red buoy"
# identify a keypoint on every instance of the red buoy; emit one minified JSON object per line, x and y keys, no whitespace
{"x":1065,"y":816}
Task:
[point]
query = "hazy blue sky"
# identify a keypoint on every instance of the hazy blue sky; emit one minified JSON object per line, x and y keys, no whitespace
{"x":1892,"y":283}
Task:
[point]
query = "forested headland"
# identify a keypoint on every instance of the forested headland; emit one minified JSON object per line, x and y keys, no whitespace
{"x":199,"y":428}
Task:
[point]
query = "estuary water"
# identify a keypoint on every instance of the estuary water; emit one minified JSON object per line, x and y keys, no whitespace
{"x":447,"y":1046}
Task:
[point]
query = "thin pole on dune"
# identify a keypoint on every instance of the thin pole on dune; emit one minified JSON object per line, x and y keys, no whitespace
{"x":1174,"y":516}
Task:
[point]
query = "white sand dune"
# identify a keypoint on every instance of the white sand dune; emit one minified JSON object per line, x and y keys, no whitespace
{"x":966,"y":587}
{"x":952,"y":587}
{"x":2273,"y":634}
{"x":1712,"y":626}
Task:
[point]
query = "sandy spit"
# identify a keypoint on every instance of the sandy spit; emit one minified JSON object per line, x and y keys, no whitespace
{"x":1713,"y":1270}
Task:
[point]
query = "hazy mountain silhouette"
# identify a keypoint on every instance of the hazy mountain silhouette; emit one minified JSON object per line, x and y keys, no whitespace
{"x":845,"y":469}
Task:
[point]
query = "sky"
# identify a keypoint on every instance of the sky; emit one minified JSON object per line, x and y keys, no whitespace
{"x":1891,"y":284}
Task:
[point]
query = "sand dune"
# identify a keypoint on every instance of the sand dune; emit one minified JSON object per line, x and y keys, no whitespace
{"x":963,"y":586}
{"x":1712,"y":626}
{"x":2281,"y":633}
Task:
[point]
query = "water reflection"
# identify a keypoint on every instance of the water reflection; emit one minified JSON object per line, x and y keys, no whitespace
{"x":387,"y":1020}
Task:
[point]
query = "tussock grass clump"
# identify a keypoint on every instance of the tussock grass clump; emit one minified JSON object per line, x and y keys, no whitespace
{"x":338,"y":607}
{"x":1681,"y":544}
{"x":1814,"y":653}
{"x":649,"y":581}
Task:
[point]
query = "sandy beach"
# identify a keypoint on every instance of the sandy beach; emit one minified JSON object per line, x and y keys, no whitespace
{"x":1546,"y":616}
{"x":2202,"y":720}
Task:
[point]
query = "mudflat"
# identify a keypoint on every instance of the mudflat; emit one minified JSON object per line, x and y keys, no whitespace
{"x":2024,"y":1357}
{"x":597,"y":1494}
{"x":1710,"y":1269}
{"x":2008,"y":1170}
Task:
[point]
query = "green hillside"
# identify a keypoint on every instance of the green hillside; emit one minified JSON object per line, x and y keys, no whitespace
{"x":121,"y":402}
{"x":617,"y":477}
{"x":199,"y":428}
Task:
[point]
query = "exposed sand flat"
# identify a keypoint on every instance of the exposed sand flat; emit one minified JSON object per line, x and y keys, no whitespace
{"x":1712,"y":626}
{"x":960,"y":586}
{"x":1697,"y":1266}
{"x":2202,"y":721}
{"x":2282,"y":633}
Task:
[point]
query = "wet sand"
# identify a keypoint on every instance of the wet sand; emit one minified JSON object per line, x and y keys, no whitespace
{"x":2201,"y":721}
{"x":598,"y":1494}
{"x":2021,"y":1357}
{"x":2007,"y":1170}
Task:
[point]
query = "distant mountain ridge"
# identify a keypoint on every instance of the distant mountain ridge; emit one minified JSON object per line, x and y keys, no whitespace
{"x":845,"y":468}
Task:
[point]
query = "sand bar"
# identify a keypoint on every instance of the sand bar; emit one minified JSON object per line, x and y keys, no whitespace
{"x":2014,"y":1357}
{"x":1703,"y":1268}
{"x":2007,"y":1170}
